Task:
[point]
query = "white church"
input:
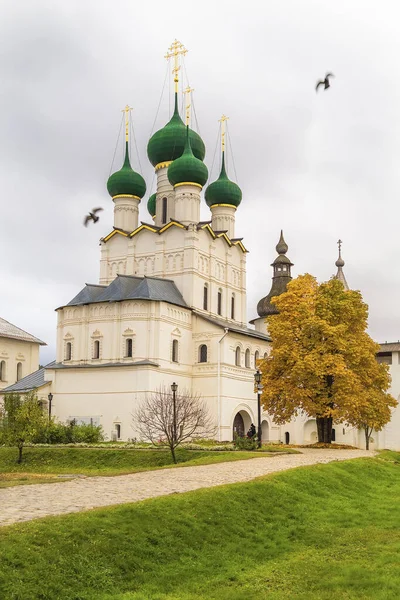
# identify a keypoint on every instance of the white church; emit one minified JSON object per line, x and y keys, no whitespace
{"x":170,"y":304}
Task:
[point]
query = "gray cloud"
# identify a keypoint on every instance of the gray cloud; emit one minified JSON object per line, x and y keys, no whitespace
{"x":320,"y":166}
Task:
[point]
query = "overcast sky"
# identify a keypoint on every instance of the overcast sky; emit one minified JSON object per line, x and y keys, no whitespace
{"x":320,"y":166}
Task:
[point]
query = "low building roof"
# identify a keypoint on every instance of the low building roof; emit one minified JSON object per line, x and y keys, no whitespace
{"x":30,"y":382}
{"x":234,"y":327}
{"x":8,"y":330}
{"x":390,"y":347}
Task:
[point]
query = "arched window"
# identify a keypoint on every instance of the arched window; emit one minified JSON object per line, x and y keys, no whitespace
{"x":68,"y":351}
{"x":256,"y":358}
{"x":333,"y":435}
{"x":19,"y":371}
{"x":203,"y":353}
{"x":247,"y":359}
{"x":219,"y":302}
{"x":287,"y":437}
{"x":118,"y":430}
{"x":265,"y":354}
{"x":3,"y":371}
{"x":233,"y":306}
{"x":205,"y":297}
{"x":128,"y":349}
{"x":96,"y":349}
{"x":164,"y":210}
{"x":237,"y":357}
{"x":175,"y":351}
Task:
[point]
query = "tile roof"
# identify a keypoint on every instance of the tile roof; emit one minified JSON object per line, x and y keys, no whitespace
{"x":30,"y":382}
{"x":9,"y":330}
{"x":390,"y":347}
{"x":131,"y":287}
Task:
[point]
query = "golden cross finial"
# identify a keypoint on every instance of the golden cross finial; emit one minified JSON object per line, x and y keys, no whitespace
{"x":126,"y":110}
{"x":174,"y":51}
{"x":340,"y":246}
{"x":222,"y":121}
{"x":187,"y":93}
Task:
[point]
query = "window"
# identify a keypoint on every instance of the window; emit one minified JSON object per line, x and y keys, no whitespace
{"x":333,"y":435}
{"x":233,"y":306}
{"x":205,"y":297}
{"x":128,"y":351}
{"x":3,"y":370}
{"x":96,"y":349}
{"x":203,"y":353}
{"x":237,"y":357}
{"x":164,"y":210}
{"x":287,"y":437}
{"x":256,"y":358}
{"x":219,"y":302}
{"x":247,"y":359}
{"x":19,"y":371}
{"x":118,"y":430}
{"x":175,"y":351}
{"x":68,"y":351}
{"x":265,"y":355}
{"x":384,"y":357}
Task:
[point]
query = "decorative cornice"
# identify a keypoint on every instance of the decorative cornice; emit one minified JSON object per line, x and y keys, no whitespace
{"x":110,"y":235}
{"x":227,"y":205}
{"x":148,"y":227}
{"x":170,"y":224}
{"x":188,"y":183}
{"x":126,"y":196}
{"x":161,"y":165}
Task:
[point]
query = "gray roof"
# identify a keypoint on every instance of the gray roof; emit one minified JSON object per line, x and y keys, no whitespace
{"x":233,"y":327}
{"x":138,"y":363}
{"x":30,"y":382}
{"x":9,"y":330}
{"x":131,"y":287}
{"x":390,"y":347}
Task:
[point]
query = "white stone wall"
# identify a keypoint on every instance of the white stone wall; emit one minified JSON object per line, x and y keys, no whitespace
{"x":14,"y":352}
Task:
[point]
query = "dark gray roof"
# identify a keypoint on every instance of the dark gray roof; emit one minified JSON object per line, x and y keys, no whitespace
{"x":9,"y":330}
{"x":30,"y":382}
{"x":390,"y":347}
{"x":138,"y":363}
{"x":131,"y":287}
{"x":234,"y":328}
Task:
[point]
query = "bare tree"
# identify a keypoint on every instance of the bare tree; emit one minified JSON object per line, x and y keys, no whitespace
{"x":170,"y":418}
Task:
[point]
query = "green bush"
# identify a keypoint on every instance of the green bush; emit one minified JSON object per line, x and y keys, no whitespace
{"x":246,"y":443}
{"x":70,"y":433}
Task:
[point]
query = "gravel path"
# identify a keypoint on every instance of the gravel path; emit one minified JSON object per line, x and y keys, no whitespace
{"x":23,"y":503}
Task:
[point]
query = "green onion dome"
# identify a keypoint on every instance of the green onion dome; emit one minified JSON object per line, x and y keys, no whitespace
{"x":168,"y":143}
{"x":187,"y":168}
{"x":223,"y":190}
{"x":126,"y":182}
{"x":151,"y":205}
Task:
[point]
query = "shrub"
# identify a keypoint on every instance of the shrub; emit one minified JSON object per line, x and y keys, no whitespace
{"x":70,"y":433}
{"x":246,"y":443}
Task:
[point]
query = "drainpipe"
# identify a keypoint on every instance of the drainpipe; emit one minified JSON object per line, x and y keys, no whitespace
{"x":226,"y":330}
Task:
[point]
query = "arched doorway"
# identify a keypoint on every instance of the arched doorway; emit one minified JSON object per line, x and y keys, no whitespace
{"x":238,"y":426}
{"x":287,"y":437}
{"x":264,"y":431}
{"x":310,"y":434}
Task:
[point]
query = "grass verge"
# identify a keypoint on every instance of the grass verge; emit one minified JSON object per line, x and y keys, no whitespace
{"x":306,"y":534}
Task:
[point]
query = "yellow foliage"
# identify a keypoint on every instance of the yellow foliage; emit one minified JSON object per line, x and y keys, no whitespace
{"x":322,"y":360}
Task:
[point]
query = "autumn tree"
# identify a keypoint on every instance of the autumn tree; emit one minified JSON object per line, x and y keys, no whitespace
{"x":169,"y":418}
{"x":22,"y":420}
{"x":322,"y":362}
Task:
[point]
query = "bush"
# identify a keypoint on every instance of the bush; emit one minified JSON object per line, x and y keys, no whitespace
{"x":246,"y":443}
{"x":70,"y":433}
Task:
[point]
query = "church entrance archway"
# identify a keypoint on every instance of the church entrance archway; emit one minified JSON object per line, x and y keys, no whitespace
{"x":265,"y":431}
{"x":241,"y":424}
{"x":310,"y":434}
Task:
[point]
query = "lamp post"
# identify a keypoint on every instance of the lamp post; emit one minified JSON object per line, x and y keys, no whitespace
{"x":174,"y":387}
{"x":259,"y":387}
{"x":50,"y":398}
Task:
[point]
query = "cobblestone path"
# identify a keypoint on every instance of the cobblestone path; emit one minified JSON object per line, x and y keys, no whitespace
{"x":23,"y":503}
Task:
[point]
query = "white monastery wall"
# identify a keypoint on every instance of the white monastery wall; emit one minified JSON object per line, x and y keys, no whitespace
{"x":18,"y":358}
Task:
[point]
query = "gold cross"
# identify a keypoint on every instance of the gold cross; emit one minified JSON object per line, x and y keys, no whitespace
{"x":340,"y":245}
{"x":187,"y":93}
{"x":126,"y":110}
{"x":174,"y":51}
{"x":222,"y":121}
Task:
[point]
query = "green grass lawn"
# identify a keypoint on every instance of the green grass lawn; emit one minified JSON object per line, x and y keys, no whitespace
{"x":317,"y":533}
{"x":104,"y":461}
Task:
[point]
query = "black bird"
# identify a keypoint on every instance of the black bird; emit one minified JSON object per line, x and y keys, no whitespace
{"x":324,"y":82}
{"x":92,"y":216}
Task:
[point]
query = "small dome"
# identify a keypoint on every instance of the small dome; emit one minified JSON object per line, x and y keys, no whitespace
{"x":223,"y":190}
{"x":339,"y":262}
{"x":151,"y":205}
{"x":281,"y":246}
{"x":126,"y":181}
{"x":168,"y":143}
{"x":187,"y":168}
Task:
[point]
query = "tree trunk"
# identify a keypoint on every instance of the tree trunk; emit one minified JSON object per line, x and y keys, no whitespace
{"x":324,"y":427}
{"x":173,"y":454}
{"x":20,"y":448}
{"x":367,"y":436}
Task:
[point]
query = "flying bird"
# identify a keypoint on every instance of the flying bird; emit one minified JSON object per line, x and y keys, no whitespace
{"x":92,"y":216}
{"x":324,"y":82}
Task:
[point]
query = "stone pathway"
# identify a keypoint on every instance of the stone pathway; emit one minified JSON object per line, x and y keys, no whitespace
{"x":24,"y":503}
